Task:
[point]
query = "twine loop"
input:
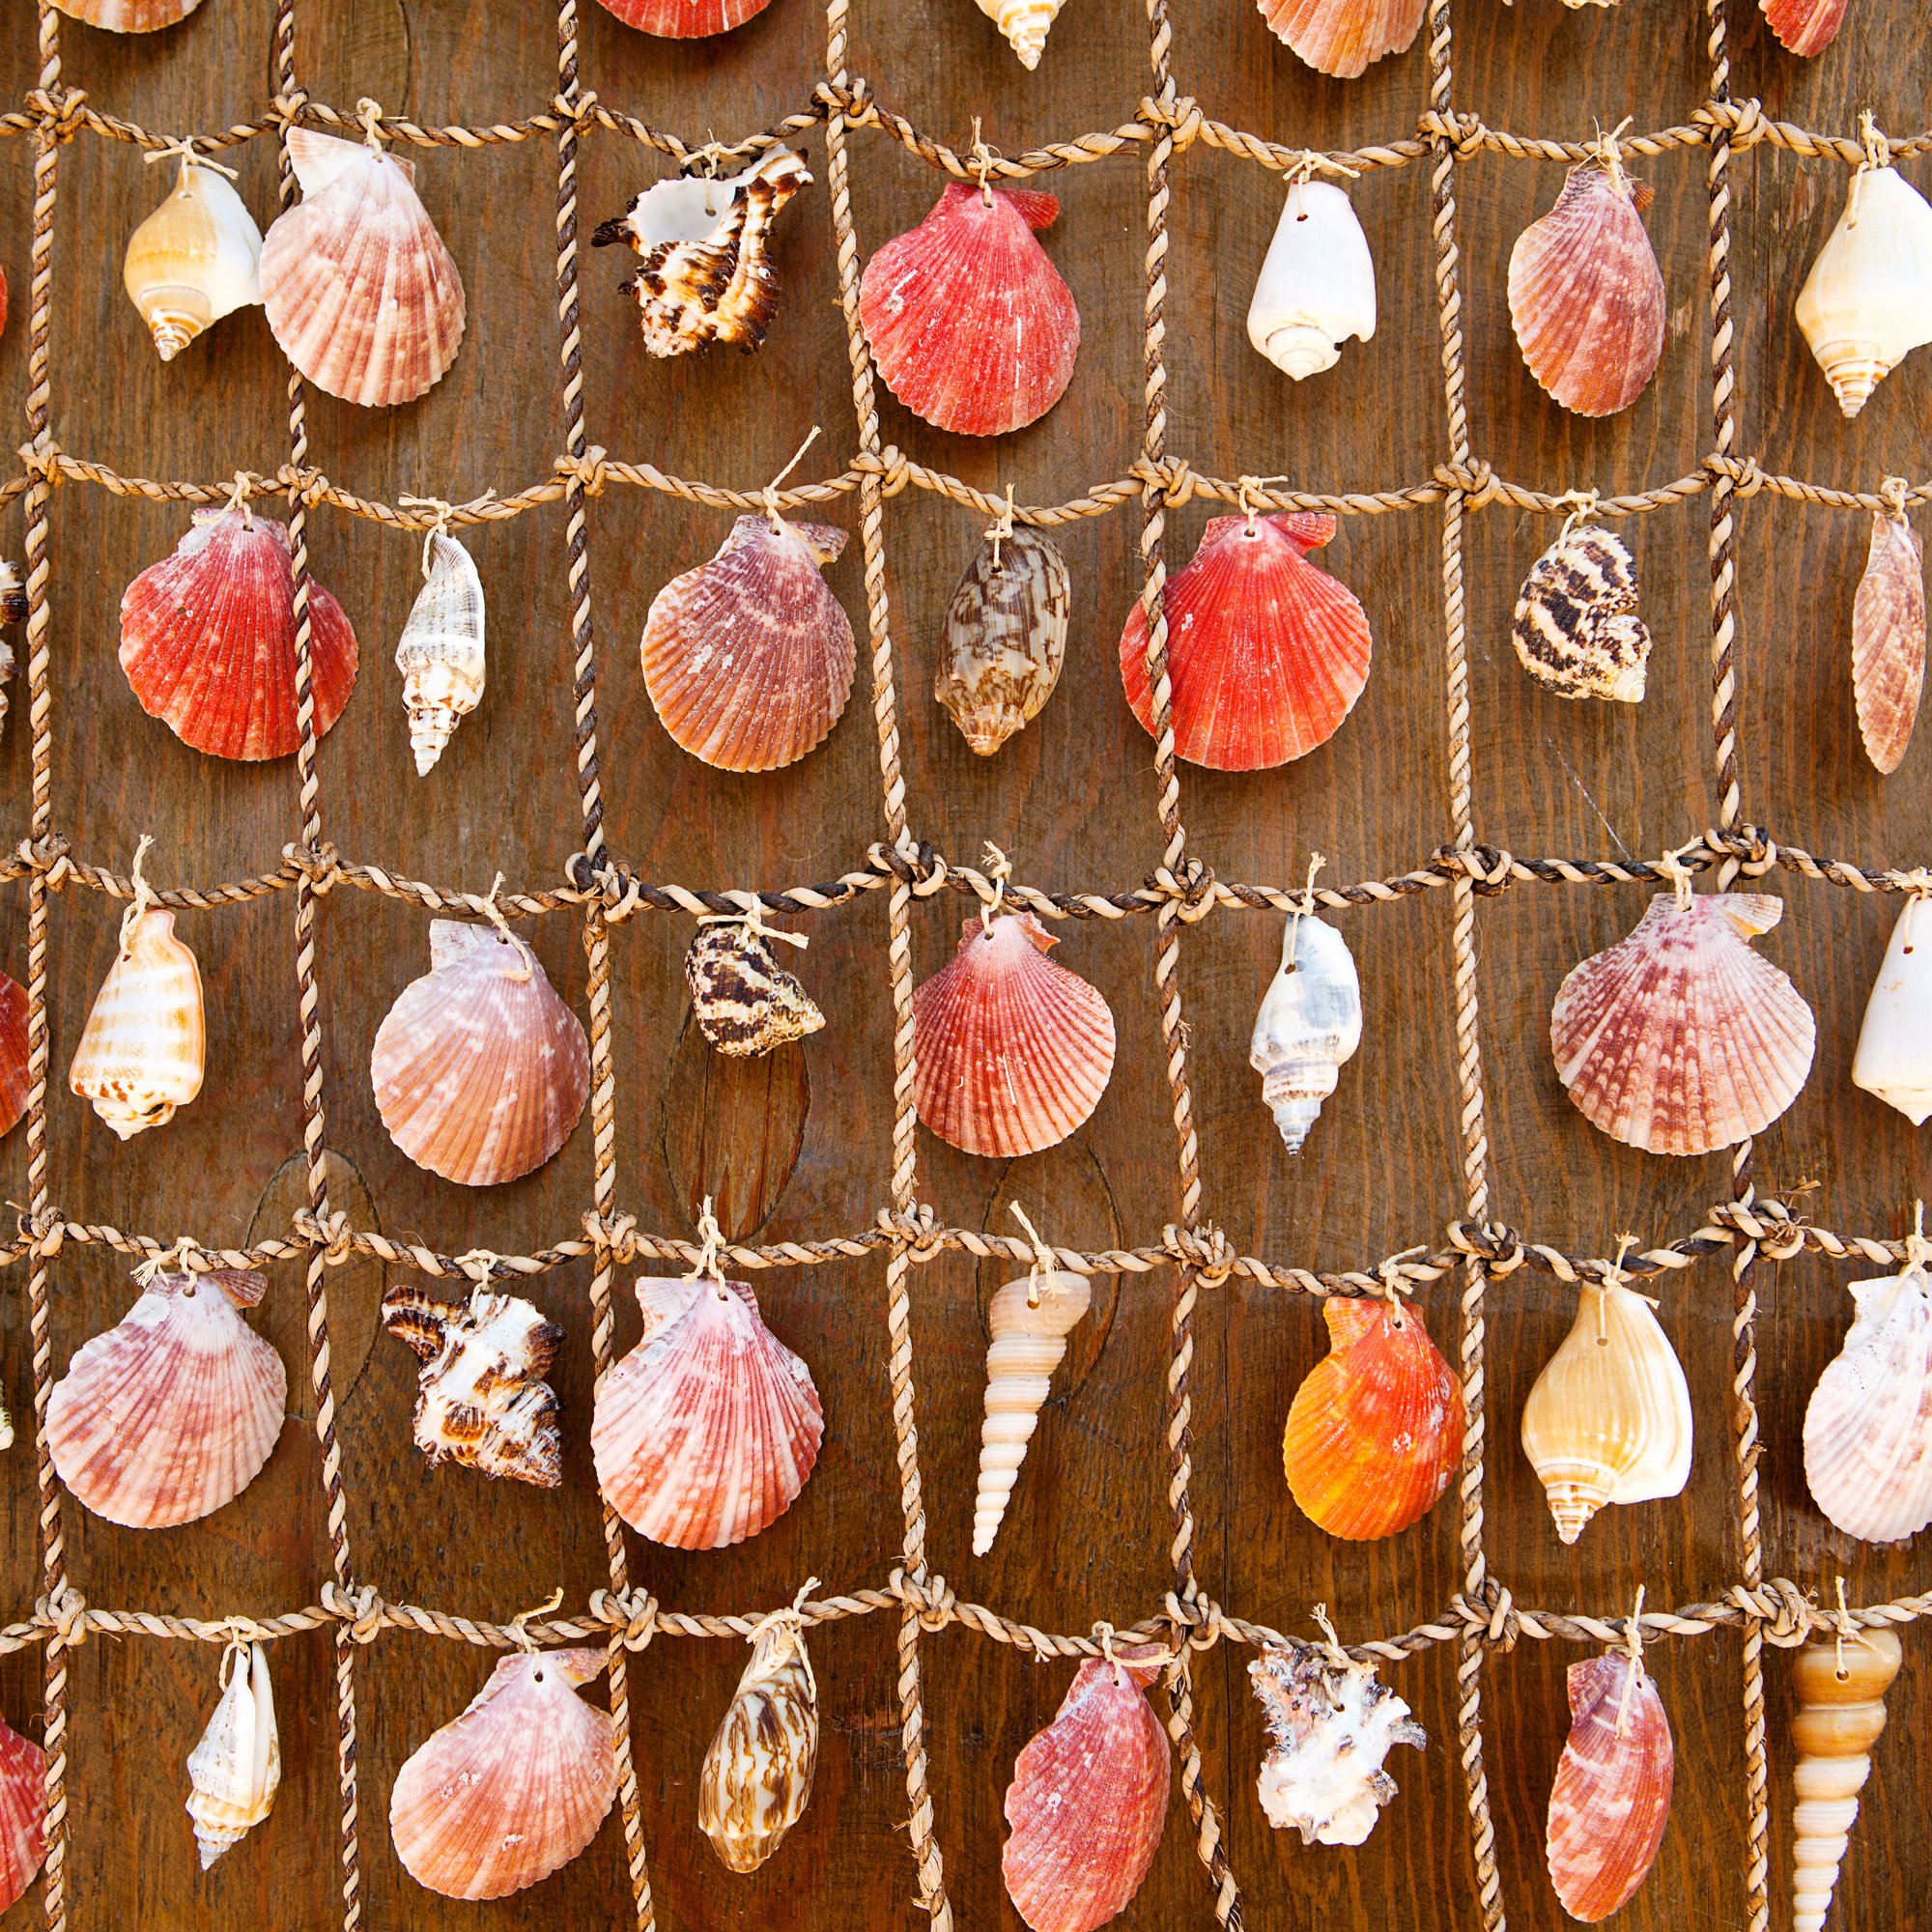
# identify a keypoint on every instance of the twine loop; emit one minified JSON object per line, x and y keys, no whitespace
{"x":1584,"y":506}
{"x":179,"y":1260}
{"x":144,"y":894}
{"x":1308,"y":161}
{"x":752,"y":920}
{"x":771,"y":491}
{"x":1044,"y":1260}
{"x":188,"y":152}
{"x":705,"y":1269}
{"x":519,"y":1625}
{"x":64,"y":1612}
{"x":1003,"y":527}
{"x":1918,"y":1249}
{"x":243,"y":1633}
{"x":1843,"y":1626}
{"x":1892,"y":492}
{"x":479,"y":1265}
{"x":369,"y":116}
{"x":981,"y":164}
{"x":495,"y":915}
{"x":1672,"y":867}
{"x":1330,"y":1644}
{"x":992,"y":896}
{"x":1306,"y":910}
{"x":1872,"y":137}
{"x":1605,"y":153}
{"x":788,"y":1620}
{"x":1634,"y":1650}
{"x":631,"y":1615}
{"x":440,"y":513}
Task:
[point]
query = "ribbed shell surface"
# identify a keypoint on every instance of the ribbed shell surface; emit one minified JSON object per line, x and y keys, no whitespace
{"x":1341,"y":36}
{"x":14,"y":1080}
{"x":23,"y":1813}
{"x":1004,"y":637}
{"x":1889,"y":640}
{"x":685,"y":19}
{"x":1611,"y":1798}
{"x":128,"y":16}
{"x":1805,"y":26}
{"x":145,"y":1045}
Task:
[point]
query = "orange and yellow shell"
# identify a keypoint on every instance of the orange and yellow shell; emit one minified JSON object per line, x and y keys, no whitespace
{"x":1839,"y":1691}
{"x":143,"y":1050}
{"x":1341,"y":36}
{"x":128,"y":16}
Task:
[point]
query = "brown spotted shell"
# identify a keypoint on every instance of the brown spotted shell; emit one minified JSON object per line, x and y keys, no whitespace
{"x":1889,"y":640}
{"x":743,"y":1002}
{"x":1004,"y":638}
{"x":1575,"y":627}
{"x":757,"y":1780}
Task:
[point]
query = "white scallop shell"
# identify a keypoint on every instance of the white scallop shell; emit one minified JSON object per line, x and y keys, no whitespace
{"x":1310,"y":1022}
{"x":1317,"y":284}
{"x":1895,"y":1054}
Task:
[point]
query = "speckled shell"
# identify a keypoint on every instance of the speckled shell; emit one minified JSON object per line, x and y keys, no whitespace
{"x":1309,"y":1024}
{"x":128,"y":16}
{"x":1317,"y":284}
{"x":1014,"y":1052}
{"x":361,"y":292}
{"x":1680,"y":1038}
{"x":480,"y":1071}
{"x":172,"y":1412}
{"x":1587,"y":297}
{"x":208,"y":641}
{"x":1836,"y":1721}
{"x":1805,"y":26}
{"x":757,"y":1780}
{"x":1894,"y":1052}
{"x":1575,"y":627}
{"x":970,"y":324}
{"x":1611,"y":1798}
{"x":1267,"y":654}
{"x":13,"y":1079}
{"x":194,"y":260}
{"x":23,"y":1813}
{"x":1004,"y":638}
{"x":1889,"y":640}
{"x":1341,"y":36}
{"x":1089,"y":1799}
{"x":743,"y":1002}
{"x":514,"y":1788}
{"x":705,"y":1433}
{"x":13,"y":593}
{"x":685,"y":19}
{"x":749,"y":658}
{"x":1029,"y":1343}
{"x":1025,"y":23}
{"x":145,"y":1044}
{"x":440,"y":652}
{"x":236,"y":1767}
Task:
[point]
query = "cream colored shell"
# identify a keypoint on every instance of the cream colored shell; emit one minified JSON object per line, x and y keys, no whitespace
{"x":1894,"y":1053}
{"x":1837,"y":1722}
{"x":197,"y":258}
{"x":236,"y":1766}
{"x":1310,"y":1022}
{"x":441,"y":655}
{"x":1025,"y":24}
{"x":142,"y":1052}
{"x":1029,"y":1343}
{"x":757,"y":1780}
{"x":1317,"y":284}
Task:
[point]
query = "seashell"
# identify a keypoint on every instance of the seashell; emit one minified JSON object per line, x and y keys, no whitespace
{"x":481,"y":1398}
{"x":704,"y":1434}
{"x":1025,"y":23}
{"x":1805,"y":26}
{"x":1869,"y":1427}
{"x":1889,"y":640}
{"x":359,"y":290}
{"x":1894,"y":1052}
{"x":1030,"y":1319}
{"x":142,"y":1051}
{"x":1341,"y":36}
{"x":1608,"y":1420}
{"x":1266,"y":653}
{"x":1867,"y":302}
{"x":194,"y":260}
{"x":749,"y":658}
{"x":1611,"y":1798}
{"x":1375,"y":1432}
{"x":1310,"y":1022}
{"x":1317,"y":284}
{"x":23,"y":1813}
{"x":1585,"y":294}
{"x":208,"y":641}
{"x":1004,"y":638}
{"x":1330,"y":1725}
{"x":238,"y":1765}
{"x":685,"y":19}
{"x":128,"y":16}
{"x":743,"y":1002}
{"x":440,"y":652}
{"x":1575,"y":627}
{"x":707,"y":275}
{"x":970,"y":324}
{"x":1088,"y":1798}
{"x":15,"y":1079}
{"x":480,"y":1071}
{"x":173,"y":1412}
{"x":1839,"y":1687}
{"x":514,"y":1788}
{"x":13,"y":593}
{"x":1012,"y":1052}
{"x":1680,"y":1038}
{"x":757,"y":1780}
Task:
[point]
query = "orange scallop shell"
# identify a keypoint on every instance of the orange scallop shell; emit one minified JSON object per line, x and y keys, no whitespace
{"x":128,"y":16}
{"x":685,"y":19}
{"x":23,"y":1813}
{"x":1341,"y":36}
{"x":1375,"y":1432}
{"x":1805,"y":26}
{"x":1888,"y":641}
{"x":1267,"y":654}
{"x":13,"y":1081}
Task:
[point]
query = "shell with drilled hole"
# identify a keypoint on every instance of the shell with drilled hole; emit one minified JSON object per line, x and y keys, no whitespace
{"x":1889,"y":640}
{"x":196,"y":258}
{"x":1341,"y":36}
{"x":173,"y":1412}
{"x":1837,"y":1719}
{"x":14,"y":1077}
{"x":1575,"y":627}
{"x":757,"y":1780}
{"x":685,"y":19}
{"x":1025,"y":23}
{"x":1317,"y":284}
{"x":514,"y":1788}
{"x":236,"y":1766}
{"x":145,"y":1045}
{"x":23,"y":1813}
{"x":1030,"y":1319}
{"x":1309,"y":1024}
{"x":128,"y":16}
{"x":440,"y":652}
{"x":1004,"y":637}
{"x":745,"y":1003}
{"x":1894,"y":1052}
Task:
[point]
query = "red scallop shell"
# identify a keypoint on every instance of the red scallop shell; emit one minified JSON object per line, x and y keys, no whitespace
{"x":1341,"y":36}
{"x":23,"y":1812}
{"x":969,"y":322}
{"x":1805,"y":26}
{"x":208,"y":641}
{"x":685,"y":19}
{"x":13,"y":1082}
{"x":1266,"y":653}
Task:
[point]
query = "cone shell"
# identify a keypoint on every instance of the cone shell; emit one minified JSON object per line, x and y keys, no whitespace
{"x":128,"y":16}
{"x":1317,"y":287}
{"x":1575,"y":627}
{"x":1585,"y":294}
{"x":236,"y":1767}
{"x":970,"y":324}
{"x":1012,"y":1051}
{"x":13,"y":593}
{"x":749,"y":658}
{"x":1310,"y":1022}
{"x":1089,"y":1799}
{"x":1375,"y":1432}
{"x":1267,"y":654}
{"x":1611,"y":1798}
{"x":743,"y":1002}
{"x":361,"y":292}
{"x":194,"y":260}
{"x":1608,"y":1420}
{"x":1341,"y":36}
{"x":142,"y":1051}
{"x":757,"y":1780}
{"x":13,"y":1076}
{"x":1030,"y":1319}
{"x":512,"y":1789}
{"x":1004,"y":638}
{"x":23,"y":1813}
{"x":704,"y":1434}
{"x":1889,"y":640}
{"x":441,"y":654}
{"x":1680,"y":1038}
{"x":685,"y":19}
{"x":1837,"y":1720}
{"x":1894,"y":1053}
{"x":172,"y":1412}
{"x":1805,"y":26}
{"x":1025,"y":24}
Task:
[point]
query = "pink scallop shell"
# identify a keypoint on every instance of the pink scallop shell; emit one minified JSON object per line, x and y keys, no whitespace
{"x":1341,"y":36}
{"x":13,"y":1076}
{"x":686,"y":19}
{"x":514,"y":1788}
{"x":1805,"y":26}
{"x":23,"y":1812}
{"x":1267,"y":654}
{"x":704,"y":1434}
{"x":970,"y":324}
{"x":208,"y":641}
{"x":1888,"y":641}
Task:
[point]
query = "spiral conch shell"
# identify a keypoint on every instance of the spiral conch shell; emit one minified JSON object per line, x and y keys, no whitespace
{"x":146,"y":1041}
{"x":1310,"y":1022}
{"x":238,"y":1765}
{"x":1575,"y":627}
{"x":1341,"y":36}
{"x":757,"y":1780}
{"x":1030,"y":1319}
{"x":197,"y":258}
{"x":1894,"y":1052}
{"x":441,"y":654}
{"x":23,"y":1812}
{"x":1004,"y":637}
{"x":1317,"y":284}
{"x":743,"y":1002}
{"x":1889,"y":640}
{"x":1025,"y":24}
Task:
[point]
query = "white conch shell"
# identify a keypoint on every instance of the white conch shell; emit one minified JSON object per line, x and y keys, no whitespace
{"x":1029,"y":1343}
{"x":1867,"y":302}
{"x":197,"y":258}
{"x":1895,"y":1054}
{"x":1840,"y":1691}
{"x":757,"y":1780}
{"x":441,"y":655}
{"x":141,"y":1053}
{"x":1310,"y":1022}
{"x":238,"y":1764}
{"x":1025,"y":24}
{"x":1317,"y":287}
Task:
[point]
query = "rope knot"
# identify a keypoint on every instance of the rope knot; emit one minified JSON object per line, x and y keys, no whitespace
{"x":915,"y":1227}
{"x":1494,"y":1608}
{"x":48,"y":855}
{"x":618,"y":1235}
{"x":66,"y":1614}
{"x":633,"y":1614}
{"x":286,"y":109}
{"x":305,"y":485}
{"x":1196,"y":1621}
{"x":933,"y":1600}
{"x":576,"y":112}
{"x":42,"y":459}
{"x":1178,"y":114}
{"x":63,"y":112}
{"x":588,"y":469}
{"x":1476,"y":479}
{"x":43,"y":1232}
{"x":1787,"y":1611}
{"x":1197,"y":892}
{"x":333,"y":1237}
{"x":358,"y":1607}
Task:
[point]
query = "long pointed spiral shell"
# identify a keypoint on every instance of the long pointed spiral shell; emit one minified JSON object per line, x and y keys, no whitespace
{"x":1837,"y":1722}
{"x":238,"y":1765}
{"x":1029,"y":1343}
{"x":1025,"y":24}
{"x":441,"y":654}
{"x":146,"y":1040}
{"x":757,"y":1780}
{"x":1310,"y":1022}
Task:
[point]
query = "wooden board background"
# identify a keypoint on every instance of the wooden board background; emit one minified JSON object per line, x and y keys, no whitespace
{"x":1072,"y":799}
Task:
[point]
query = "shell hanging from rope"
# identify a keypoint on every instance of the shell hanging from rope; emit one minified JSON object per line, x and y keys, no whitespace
{"x":128,"y":16}
{"x":1309,"y":1024}
{"x":145,"y":1045}
{"x":1894,"y":1051}
{"x":757,"y":1780}
{"x":1804,"y":26}
{"x":197,"y":259}
{"x":440,"y":652}
{"x":685,"y":19}
{"x":1341,"y":36}
{"x":236,"y":1767}
{"x":1317,"y":284}
{"x":745,"y":1003}
{"x":23,"y":1813}
{"x":1889,"y":640}
{"x":1025,"y":23}
{"x":1029,"y":1343}
{"x":15,"y":1080}
{"x":1004,"y":637}
{"x":1575,"y":627}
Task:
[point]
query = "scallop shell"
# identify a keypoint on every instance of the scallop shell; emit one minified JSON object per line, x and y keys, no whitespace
{"x":1004,"y":637}
{"x":749,"y":658}
{"x":1341,"y":36}
{"x":704,"y":1434}
{"x":1267,"y":654}
{"x":440,"y":652}
{"x":757,"y":1780}
{"x":1025,"y":23}
{"x":172,"y":1412}
{"x":194,"y":260}
{"x":1608,"y":1420}
{"x":1680,"y":1038}
{"x":1375,"y":1432}
{"x":236,"y":1767}
{"x":14,"y":1080}
{"x":361,"y":292}
{"x":970,"y":324}
{"x":208,"y":641}
{"x":1586,"y":297}
{"x":1310,"y":1022}
{"x":685,"y":19}
{"x":23,"y":1813}
{"x":1029,"y":1320}
{"x":1894,"y":1052}
{"x":143,"y":1048}
{"x":128,"y":16}
{"x":743,"y":1002}
{"x":1805,"y":26}
{"x":1317,"y":287}
{"x":1012,"y":1052}
{"x":1889,"y":640}
{"x":1611,"y":1798}
{"x":1088,"y":1798}
{"x":1575,"y":627}
{"x":514,"y":1788}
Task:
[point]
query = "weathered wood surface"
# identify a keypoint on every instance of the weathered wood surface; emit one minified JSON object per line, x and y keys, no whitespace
{"x":1074,"y":800}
